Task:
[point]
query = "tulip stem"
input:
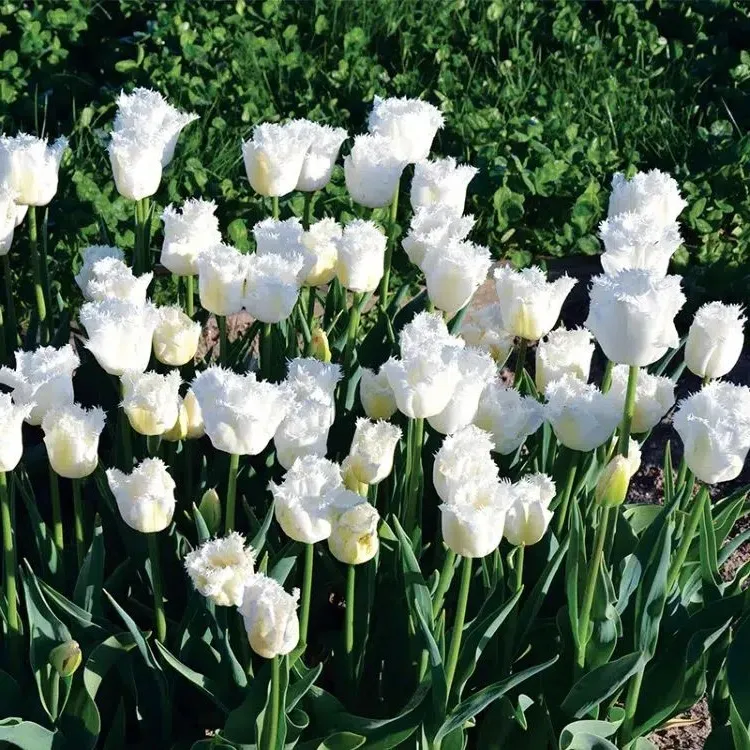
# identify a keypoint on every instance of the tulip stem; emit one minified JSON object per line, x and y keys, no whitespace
{"x":444,"y":582}
{"x":588,"y":595}
{"x":9,"y":565}
{"x":44,"y":263}
{"x":273,"y":713}
{"x":275,"y":206}
{"x":513,"y":622}
{"x":386,"y":278}
{"x":631,"y":704}
{"x":10,"y":306}
{"x":127,"y":447}
{"x":351,"y":332}
{"x":628,"y":411}
{"x":159,"y":616}
{"x":607,"y":377}
{"x":234,"y":464}
{"x":349,"y":623}
{"x":523,"y":345}
{"x":562,"y":514}
{"x":78,"y":522}
{"x":223,"y":345}
{"x":458,"y":623}
{"x":266,"y":346}
{"x":311,"y":297}
{"x":304,"y":617}
{"x":36,"y":268}
{"x":57,"y":524}
{"x":687,"y":538}
{"x":307,"y":211}
{"x":415,"y":438}
{"x":190,"y":295}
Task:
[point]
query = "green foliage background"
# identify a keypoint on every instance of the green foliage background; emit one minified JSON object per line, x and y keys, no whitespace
{"x":548,"y":99}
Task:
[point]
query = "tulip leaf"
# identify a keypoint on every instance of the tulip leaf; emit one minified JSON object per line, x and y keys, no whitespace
{"x":88,"y":589}
{"x":575,"y":570}
{"x":258,"y":542}
{"x":300,"y":688}
{"x":79,"y":618}
{"x":585,"y":733}
{"x":338,"y":741}
{"x":27,"y":735}
{"x":413,"y":575}
{"x":740,"y":734}
{"x":738,"y":668}
{"x":708,"y":554}
{"x":201,"y":527}
{"x":45,"y":546}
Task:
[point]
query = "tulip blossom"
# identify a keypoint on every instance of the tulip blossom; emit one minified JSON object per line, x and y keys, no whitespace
{"x":476,"y":369}
{"x":654,"y":397}
{"x":372,"y":171}
{"x":136,"y":164}
{"x":91,"y":256}
{"x":653,"y":192}
{"x":20,"y":213}
{"x":614,"y":480}
{"x":151,"y":400}
{"x":376,"y":394}
{"x":145,"y":497}
{"x":325,"y":143}
{"x":43,"y":378}
{"x":222,"y":279}
{"x":195,"y":425}
{"x":270,"y":616}
{"x":441,"y":182}
{"x":11,"y":420}
{"x":111,"y":278}
{"x":714,"y":426}
{"x":272,"y":286}
{"x":188,"y":232}
{"x":178,"y":431}
{"x":370,"y":458}
{"x":715,"y":339}
{"x":308,"y":499}
{"x":175,"y":337}
{"x":306,"y":374}
{"x":220,"y":568}
{"x":119,"y":334}
{"x":410,"y":123}
{"x":508,"y":416}
{"x":29,"y":166}
{"x":563,"y":352}
{"x":432,"y":228}
{"x":240,"y":413}
{"x":321,"y":242}
{"x":354,"y":534}
{"x":581,"y":416}
{"x":284,"y":239}
{"x":631,"y":314}
{"x":7,"y":217}
{"x":361,"y":256}
{"x":529,"y":515}
{"x":529,"y":304}
{"x":483,"y":328}
{"x":71,"y":435}
{"x":274,"y":157}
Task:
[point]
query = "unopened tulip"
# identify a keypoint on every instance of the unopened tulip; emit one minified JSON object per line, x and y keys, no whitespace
{"x":91,"y":256}
{"x":441,"y":182}
{"x":715,"y":340}
{"x":372,"y":170}
{"x":145,"y":497}
{"x":270,"y":616}
{"x":71,"y":435}
{"x":11,"y":419}
{"x":432,"y":228}
{"x":529,"y":515}
{"x":631,"y":314}
{"x":361,"y":256}
{"x":29,"y":166}
{"x":222,"y":279}
{"x":530,"y":305}
{"x":612,"y":485}
{"x":483,"y":328}
{"x":272,"y":286}
{"x":654,"y":397}
{"x":563,"y":352}
{"x":320,"y":349}
{"x":371,"y":454}
{"x":136,"y":164}
{"x":151,"y":400}
{"x":176,"y":337}
{"x":220,"y":569}
{"x":7,"y":217}
{"x":66,"y":658}
{"x":111,"y":278}
{"x":410,"y":123}
{"x":188,"y":232}
{"x":376,"y":395}
{"x":653,"y":192}
{"x":354,"y":535}
{"x":179,"y":430}
{"x":325,"y":143}
{"x":714,"y":426}
{"x":321,"y":241}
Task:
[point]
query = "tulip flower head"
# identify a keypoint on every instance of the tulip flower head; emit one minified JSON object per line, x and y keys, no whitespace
{"x":441,"y":182}
{"x":325,"y":143}
{"x":483,"y":328}
{"x":175,"y":337}
{"x":284,"y":238}
{"x":273,"y":284}
{"x":220,"y":568}
{"x":432,"y":228}
{"x":195,"y":425}
{"x":614,"y":480}
{"x":714,"y":426}
{"x":376,"y":394}
{"x":188,"y":232}
{"x":410,"y":123}
{"x":715,"y":340}
{"x":71,"y":435}
{"x":178,"y":431}
{"x":7,"y":217}
{"x":321,"y":242}
{"x":151,"y":400}
{"x":653,"y":192}
{"x":631,"y":314}
{"x":11,"y":420}
{"x":529,"y":515}
{"x":145,"y":497}
{"x":91,"y":256}
{"x":653,"y":399}
{"x":222,"y":279}
{"x":530,"y":305}
{"x":372,"y":170}
{"x":29,"y":166}
{"x":361,"y":256}
{"x":563,"y":352}
{"x":270,"y":616}
{"x":354,"y":534}
{"x":43,"y":378}
{"x":111,"y":278}
{"x":371,"y":454}
{"x":136,"y":161}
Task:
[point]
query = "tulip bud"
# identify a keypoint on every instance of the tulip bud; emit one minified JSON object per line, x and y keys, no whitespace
{"x":410,"y":123}
{"x":71,"y":435}
{"x":270,"y":616}
{"x":441,"y":182}
{"x":361,"y":255}
{"x":188,"y":232}
{"x":321,"y":243}
{"x":151,"y":401}
{"x":304,"y":431}
{"x":195,"y":426}
{"x":613,"y":483}
{"x":529,"y":515}
{"x":179,"y":430}
{"x":351,"y":482}
{"x":715,"y":340}
{"x":66,"y":658}
{"x":210,"y":510}
{"x":176,"y":337}
{"x":319,"y":343}
{"x":354,"y":536}
{"x":136,"y":164}
{"x":284,"y":239}
{"x":371,"y":454}
{"x":222,"y":279}
{"x":30,"y":166}
{"x":376,"y":395}
{"x":11,"y":419}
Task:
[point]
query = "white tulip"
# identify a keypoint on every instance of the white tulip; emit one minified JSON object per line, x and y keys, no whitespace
{"x":11,"y":421}
{"x":361,"y":256}
{"x":631,"y":314}
{"x":188,"y":232}
{"x":119,"y":334}
{"x":582,"y":417}
{"x":71,"y":435}
{"x":7,"y":217}
{"x":30,"y":166}
{"x":325,"y":143}
{"x":111,"y":278}
{"x":477,"y":369}
{"x":43,"y":378}
{"x":354,"y":535}
{"x":563,"y":352}
{"x":483,"y":328}
{"x":274,"y":157}
{"x":715,"y":339}
{"x":176,"y":337}
{"x":306,"y":375}
{"x":376,"y":394}
{"x":136,"y":164}
{"x":284,"y":238}
{"x":321,"y":241}
{"x":508,"y":416}
{"x":441,"y":182}
{"x":91,"y":256}
{"x":714,"y":426}
{"x":270,"y":616}
{"x":530,"y":305}
{"x":372,"y":171}
{"x":614,"y":480}
{"x":370,"y":457}
{"x":178,"y":431}
{"x":195,"y":425}
{"x":304,"y":431}
{"x":220,"y":568}
{"x":272,"y":286}
{"x":654,"y":397}
{"x":20,"y":213}
{"x":529,"y":515}
{"x":145,"y":497}
{"x":222,"y":279}
{"x":308,"y":499}
{"x":411,"y":123}
{"x":428,"y":330}
{"x":151,"y":400}
{"x":432,"y":228}
{"x":652,"y":192}
{"x":240,"y":413}
{"x":638,"y":240}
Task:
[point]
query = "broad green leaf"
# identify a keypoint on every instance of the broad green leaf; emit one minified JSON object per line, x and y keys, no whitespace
{"x":297,"y":690}
{"x":585,"y":733}
{"x":738,"y":669}
{"x":88,"y":589}
{"x":28,"y":736}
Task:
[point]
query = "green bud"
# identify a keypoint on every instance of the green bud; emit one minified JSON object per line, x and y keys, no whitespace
{"x":66,"y":658}
{"x":320,"y":348}
{"x":612,"y":487}
{"x":210,"y":509}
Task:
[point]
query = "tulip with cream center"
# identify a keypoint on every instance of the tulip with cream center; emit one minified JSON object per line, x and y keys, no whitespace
{"x":714,"y":426}
{"x":283,"y":238}
{"x":372,"y":170}
{"x":220,"y":568}
{"x":361,"y":255}
{"x":654,"y":193}
{"x":135,"y":159}
{"x":376,"y":394}
{"x":188,"y":232}
{"x":432,"y":227}
{"x":614,"y":480}
{"x":321,"y":242}
{"x":441,"y":182}
{"x":529,"y":304}
{"x":563,"y":352}
{"x":631,"y":315}
{"x":11,"y":419}
{"x":43,"y":378}
{"x":272,"y":286}
{"x":176,"y":337}
{"x":528,"y":516}
{"x":483,"y":328}
{"x":111,"y":278}
{"x":29,"y":166}
{"x":151,"y":400}
{"x":71,"y":436}
{"x":270,"y":616}
{"x":715,"y":340}
{"x":91,"y":256}
{"x":222,"y":279}
{"x":325,"y":143}
{"x":370,"y":458}
{"x":354,"y":532}
{"x":653,"y":399}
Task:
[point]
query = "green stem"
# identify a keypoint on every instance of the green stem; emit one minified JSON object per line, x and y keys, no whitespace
{"x":311,"y":297}
{"x":562,"y":513}
{"x":57,"y":523}
{"x":307,"y":211}
{"x":127,"y":446}
{"x":458,"y":623}
{"x":266,"y":353}
{"x":588,"y":596}
{"x":9,"y":566}
{"x":10,"y":306}
{"x":41,"y":308}
{"x":607,"y":378}
{"x":688,"y":536}
{"x":415,"y":439}
{"x":78,"y":522}
{"x":631,"y":704}
{"x":351,"y":332}
{"x":190,"y":296}
{"x":628,"y":411}
{"x":513,"y":623}
{"x":444,"y":582}
{"x":349,"y":623}
{"x":159,"y":616}
{"x":523,"y":345}
{"x":385,"y":280}
{"x":275,"y":206}
{"x":273,"y":714}
{"x":223,"y":344}
{"x":145,"y":239}
{"x":304,"y":617}
{"x":136,"y":263}
{"x":153,"y":442}
{"x":234,"y":465}
{"x":44,"y":262}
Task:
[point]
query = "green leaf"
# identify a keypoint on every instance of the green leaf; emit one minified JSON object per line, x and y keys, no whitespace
{"x":738,"y":669}
{"x":588,"y":734}
{"x":88,"y":589}
{"x":27,"y":735}
{"x":297,"y":690}
{"x":740,"y":734}
{"x":575,"y":569}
